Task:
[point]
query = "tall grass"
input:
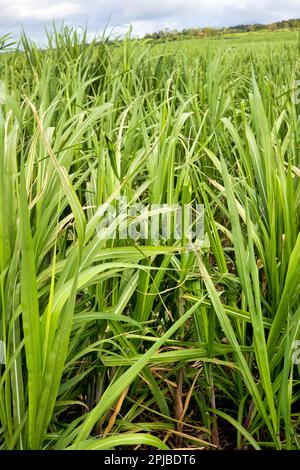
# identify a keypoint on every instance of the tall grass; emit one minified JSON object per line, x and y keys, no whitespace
{"x":130,"y":342}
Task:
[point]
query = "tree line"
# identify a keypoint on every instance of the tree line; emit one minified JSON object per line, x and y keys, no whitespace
{"x":173,"y":34}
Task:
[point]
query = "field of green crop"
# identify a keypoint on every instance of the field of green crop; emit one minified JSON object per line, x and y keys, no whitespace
{"x":110,"y":342}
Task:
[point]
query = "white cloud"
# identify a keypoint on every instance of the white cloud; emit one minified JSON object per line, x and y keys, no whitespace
{"x":144,"y":15}
{"x":41,"y":10}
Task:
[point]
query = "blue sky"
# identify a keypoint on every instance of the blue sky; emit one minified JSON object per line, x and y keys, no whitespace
{"x":144,"y":15}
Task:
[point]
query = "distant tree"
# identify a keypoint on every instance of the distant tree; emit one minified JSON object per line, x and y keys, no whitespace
{"x":209,"y":31}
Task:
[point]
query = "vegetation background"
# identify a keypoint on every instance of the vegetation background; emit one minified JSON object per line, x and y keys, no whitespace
{"x":113,"y":343}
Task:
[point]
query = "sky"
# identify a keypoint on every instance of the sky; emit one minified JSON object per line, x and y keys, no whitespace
{"x":144,"y":15}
